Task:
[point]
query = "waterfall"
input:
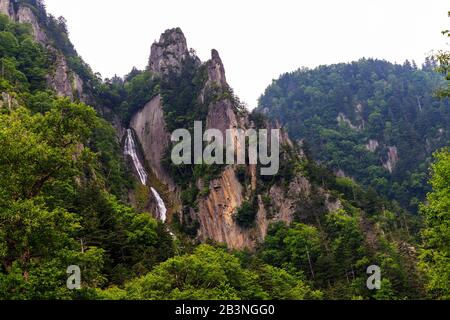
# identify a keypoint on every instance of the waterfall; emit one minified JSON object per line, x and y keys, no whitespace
{"x":131,"y":150}
{"x":162,"y":210}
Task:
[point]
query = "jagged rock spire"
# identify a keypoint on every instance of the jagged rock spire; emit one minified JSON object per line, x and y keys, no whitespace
{"x":216,"y":70}
{"x":169,"y":52}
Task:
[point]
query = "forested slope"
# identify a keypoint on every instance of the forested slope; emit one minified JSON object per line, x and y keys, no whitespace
{"x":371,"y":120}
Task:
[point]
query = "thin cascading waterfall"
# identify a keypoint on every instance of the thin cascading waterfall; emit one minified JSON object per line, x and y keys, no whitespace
{"x":130,"y":149}
{"x":162,"y":210}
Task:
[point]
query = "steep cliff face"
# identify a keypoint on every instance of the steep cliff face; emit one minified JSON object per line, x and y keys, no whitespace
{"x":25,"y":15}
{"x":64,"y":81}
{"x":217,"y":210}
{"x":150,"y":128}
{"x":372,"y":145}
{"x":149,"y":123}
{"x":221,"y":115}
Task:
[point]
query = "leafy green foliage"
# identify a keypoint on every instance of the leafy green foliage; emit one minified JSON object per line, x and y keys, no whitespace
{"x":246,"y":214}
{"x":211,"y":273}
{"x":289,"y":247}
{"x":117,"y":177}
{"x":38,"y":152}
{"x":180,"y":91}
{"x":435,"y":255}
{"x":335,"y":254}
{"x":139,"y":89}
{"x":23,"y":63}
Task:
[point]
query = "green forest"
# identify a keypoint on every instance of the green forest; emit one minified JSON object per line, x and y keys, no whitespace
{"x":65,"y":184}
{"x":351,"y":114}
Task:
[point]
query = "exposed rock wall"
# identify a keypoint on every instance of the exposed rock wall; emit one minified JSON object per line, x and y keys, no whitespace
{"x":221,"y":113}
{"x":285,"y":202}
{"x":217,"y":210}
{"x":64,"y":81}
{"x":340,"y":173}
{"x":392,"y":160}
{"x":26,"y":15}
{"x":372,"y":145}
{"x":342,"y":119}
{"x":149,"y":125}
{"x":216,"y":70}
{"x":169,"y":53}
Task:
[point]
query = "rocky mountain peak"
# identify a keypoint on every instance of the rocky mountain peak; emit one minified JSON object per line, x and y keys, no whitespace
{"x":169,"y":52}
{"x":216,"y":70}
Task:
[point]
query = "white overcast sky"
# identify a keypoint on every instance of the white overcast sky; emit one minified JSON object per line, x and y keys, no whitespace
{"x":257,"y":40}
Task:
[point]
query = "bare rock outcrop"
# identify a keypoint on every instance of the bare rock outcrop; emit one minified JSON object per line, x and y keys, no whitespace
{"x":392,"y":159}
{"x":25,"y":15}
{"x":343,"y":120}
{"x":216,"y":213}
{"x":169,"y":53}
{"x":63,"y":80}
{"x":372,"y":145}
{"x":221,"y":115}
{"x":340,"y":173}
{"x":285,"y":203}
{"x":216,"y":70}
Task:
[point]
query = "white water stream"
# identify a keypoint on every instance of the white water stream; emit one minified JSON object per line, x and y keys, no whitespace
{"x":162,"y":210}
{"x":131,"y":150}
